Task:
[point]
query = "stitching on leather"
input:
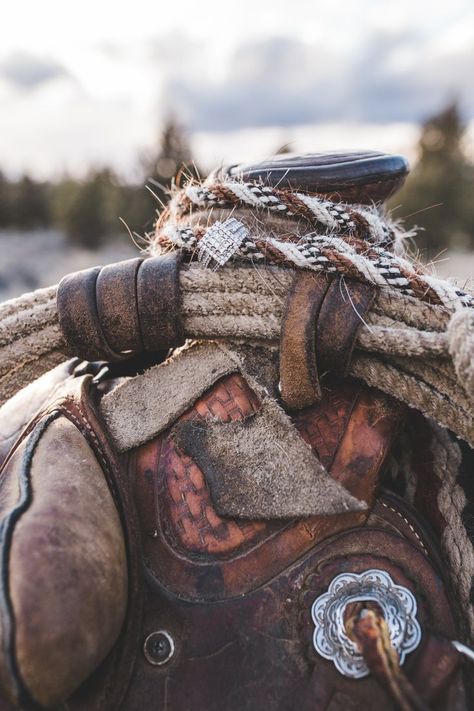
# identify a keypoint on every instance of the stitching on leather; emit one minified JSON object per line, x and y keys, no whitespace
{"x":99,"y":451}
{"x":410,"y":526}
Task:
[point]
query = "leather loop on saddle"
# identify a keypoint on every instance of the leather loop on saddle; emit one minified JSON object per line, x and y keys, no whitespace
{"x":299,"y":381}
{"x":78,"y":317}
{"x":319,"y":331}
{"x":159,"y":303}
{"x":340,"y":317}
{"x":117,"y":305}
{"x":117,"y":311}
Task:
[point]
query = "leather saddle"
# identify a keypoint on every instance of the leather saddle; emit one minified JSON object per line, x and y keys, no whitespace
{"x":186,"y":531}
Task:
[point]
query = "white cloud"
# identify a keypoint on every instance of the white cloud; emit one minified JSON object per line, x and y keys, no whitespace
{"x":90,"y":84}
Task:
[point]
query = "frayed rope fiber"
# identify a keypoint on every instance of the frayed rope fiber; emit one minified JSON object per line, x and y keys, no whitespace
{"x":353,"y":241}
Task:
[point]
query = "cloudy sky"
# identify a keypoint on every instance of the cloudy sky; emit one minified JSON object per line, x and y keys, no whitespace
{"x":90,"y":83}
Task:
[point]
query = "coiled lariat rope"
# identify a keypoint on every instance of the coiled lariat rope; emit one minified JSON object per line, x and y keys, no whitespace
{"x":354,"y":244}
{"x":415,"y":344}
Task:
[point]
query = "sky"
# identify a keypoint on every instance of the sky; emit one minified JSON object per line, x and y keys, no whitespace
{"x":90,"y":84}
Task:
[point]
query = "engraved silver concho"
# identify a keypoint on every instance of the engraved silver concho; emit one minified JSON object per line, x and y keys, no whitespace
{"x":399,"y":610}
{"x":221,"y":241}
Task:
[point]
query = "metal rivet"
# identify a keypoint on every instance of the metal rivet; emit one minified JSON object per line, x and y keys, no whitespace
{"x":158,"y":648}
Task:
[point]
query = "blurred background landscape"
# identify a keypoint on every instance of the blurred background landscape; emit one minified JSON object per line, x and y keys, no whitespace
{"x":102,"y":104}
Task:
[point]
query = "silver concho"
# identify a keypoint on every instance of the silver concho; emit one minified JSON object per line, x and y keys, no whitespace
{"x":399,"y":609}
{"x":221,"y":241}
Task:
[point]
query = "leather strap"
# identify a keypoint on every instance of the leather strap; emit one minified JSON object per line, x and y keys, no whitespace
{"x":112,"y":313}
{"x":370,"y":631}
{"x":299,"y":382}
{"x":159,"y":302}
{"x":117,"y":305}
{"x":341,"y":315}
{"x":78,"y":317}
{"x":319,"y":331}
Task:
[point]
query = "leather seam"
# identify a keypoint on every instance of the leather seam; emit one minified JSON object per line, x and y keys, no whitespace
{"x":98,"y":450}
{"x":7,"y":528}
{"x":410,"y":526}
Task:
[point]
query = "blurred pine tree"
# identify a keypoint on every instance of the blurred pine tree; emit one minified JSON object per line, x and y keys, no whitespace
{"x":5,"y":201}
{"x":30,"y":204}
{"x":437,"y":196}
{"x":88,"y":210}
{"x":172,"y":157}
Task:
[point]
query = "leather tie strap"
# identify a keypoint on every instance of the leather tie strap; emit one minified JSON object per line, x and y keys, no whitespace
{"x":340,"y":317}
{"x":77,"y":312}
{"x":117,"y":308}
{"x":319,"y":331}
{"x":159,"y":303}
{"x":111,"y":313}
{"x":299,"y":382}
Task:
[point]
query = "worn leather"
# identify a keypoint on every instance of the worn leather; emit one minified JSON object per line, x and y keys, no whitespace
{"x":117,"y":308}
{"x":254,"y":650}
{"x":21,"y":408}
{"x":115,"y":312}
{"x":187,"y":542}
{"x":78,"y":317}
{"x":340,"y":318}
{"x":64,"y":592}
{"x":299,"y":377}
{"x":359,"y":177}
{"x":69,"y":566}
{"x":319,"y":329}
{"x":235,"y":596}
{"x":159,"y":303}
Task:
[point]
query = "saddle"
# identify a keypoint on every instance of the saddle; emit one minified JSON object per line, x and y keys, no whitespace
{"x":209,"y":506}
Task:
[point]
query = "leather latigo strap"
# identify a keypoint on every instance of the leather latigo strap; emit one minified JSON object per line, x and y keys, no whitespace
{"x":112,"y":312}
{"x":319,"y":329}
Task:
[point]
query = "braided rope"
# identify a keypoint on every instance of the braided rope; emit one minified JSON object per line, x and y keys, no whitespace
{"x":336,"y":217}
{"x":455,"y":541}
{"x":331,"y":254}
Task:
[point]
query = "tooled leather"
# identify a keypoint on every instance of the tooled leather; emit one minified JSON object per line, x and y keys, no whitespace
{"x":255,"y":650}
{"x":323,"y":431}
{"x":181,"y":550}
{"x":392,"y":552}
{"x":183,"y":497}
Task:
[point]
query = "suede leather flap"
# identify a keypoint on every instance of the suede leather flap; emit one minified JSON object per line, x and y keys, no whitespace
{"x":261,"y":468}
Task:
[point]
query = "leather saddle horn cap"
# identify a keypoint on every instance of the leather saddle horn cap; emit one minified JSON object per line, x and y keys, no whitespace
{"x":362,"y":177}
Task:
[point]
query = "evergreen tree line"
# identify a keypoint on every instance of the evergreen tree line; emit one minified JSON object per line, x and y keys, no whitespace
{"x":92,"y":209}
{"x":437,"y":197}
